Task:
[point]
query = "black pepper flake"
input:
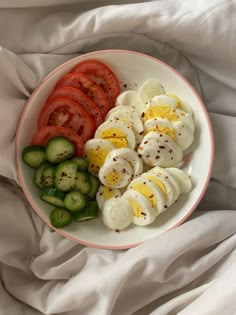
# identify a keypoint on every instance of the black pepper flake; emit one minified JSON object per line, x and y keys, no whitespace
{"x":141,"y":133}
{"x":143,"y":114}
{"x":170,"y":150}
{"x":114,"y":159}
{"x":165,"y":206}
{"x":143,"y":213}
{"x":148,"y":155}
{"x":157,"y":157}
{"x":161,"y":146}
{"x":139,"y":155}
{"x":125,"y":86}
{"x":145,"y":142}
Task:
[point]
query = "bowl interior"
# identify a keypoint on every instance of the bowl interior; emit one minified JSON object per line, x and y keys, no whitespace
{"x":132,"y":69}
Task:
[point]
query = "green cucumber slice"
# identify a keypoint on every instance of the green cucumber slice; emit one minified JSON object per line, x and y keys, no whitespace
{"x":95,"y":183}
{"x":60,"y":217}
{"x":53,"y":197}
{"x":74,"y":201}
{"x":64,"y":176}
{"x":39,"y":179}
{"x":87,"y":213}
{"x":34,"y":155}
{"x":47,"y":175}
{"x":82,"y":182}
{"x":81,"y":163}
{"x":59,"y":149}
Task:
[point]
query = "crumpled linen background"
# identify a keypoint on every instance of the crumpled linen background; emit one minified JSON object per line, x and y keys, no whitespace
{"x":189,"y":270}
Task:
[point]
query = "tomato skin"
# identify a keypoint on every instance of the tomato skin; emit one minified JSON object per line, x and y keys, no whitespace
{"x":65,"y":112}
{"x":101,"y":72}
{"x":44,"y":134}
{"x":89,"y":87}
{"x":82,"y":99}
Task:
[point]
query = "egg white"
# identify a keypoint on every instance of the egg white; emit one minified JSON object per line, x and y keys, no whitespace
{"x":147,"y":214}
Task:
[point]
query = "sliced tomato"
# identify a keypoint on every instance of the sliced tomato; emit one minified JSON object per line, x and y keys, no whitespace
{"x":82,"y":99}
{"x":44,"y":134}
{"x":65,"y":112}
{"x":103,"y":75}
{"x":88,"y":86}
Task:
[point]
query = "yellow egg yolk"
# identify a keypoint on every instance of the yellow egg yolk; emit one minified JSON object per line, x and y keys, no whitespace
{"x":96,"y":158}
{"x":146,"y":191}
{"x":157,"y":182}
{"x":161,"y":112}
{"x":107,"y":193}
{"x":112,"y":178}
{"x":168,"y":131}
{"x":116,"y":136}
{"x":138,"y":210}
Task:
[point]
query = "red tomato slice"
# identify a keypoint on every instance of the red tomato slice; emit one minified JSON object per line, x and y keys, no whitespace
{"x":88,"y":86}
{"x":82,"y":99}
{"x":103,"y":75}
{"x":45,"y":133}
{"x":65,"y":112}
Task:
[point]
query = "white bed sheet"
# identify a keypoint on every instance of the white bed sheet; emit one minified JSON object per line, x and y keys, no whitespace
{"x":190,"y":270}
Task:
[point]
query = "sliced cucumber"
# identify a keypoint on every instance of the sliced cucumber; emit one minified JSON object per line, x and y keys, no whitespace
{"x":47,"y":175}
{"x":60,"y":217}
{"x":39,"y":179}
{"x":95,"y":183}
{"x":82,"y":182}
{"x":64,"y":176}
{"x":86,"y":214}
{"x":82,"y":163}
{"x":34,"y":155}
{"x":53,"y":196}
{"x":59,"y":149}
{"x":74,"y":201}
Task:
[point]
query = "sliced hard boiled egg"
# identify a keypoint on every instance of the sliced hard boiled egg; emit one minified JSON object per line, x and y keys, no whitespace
{"x":116,"y":174}
{"x":151,"y":191}
{"x":170,"y":182}
{"x":184,"y":135}
{"x":182,"y":178}
{"x":96,"y":151}
{"x":181,"y":103}
{"x":119,"y":133}
{"x":162,"y":125}
{"x":185,"y":118}
{"x":129,"y":155}
{"x":150,"y":89}
{"x":158,"y":149}
{"x":129,"y":116}
{"x":143,"y":211}
{"x":162,"y":106}
{"x":117,"y":213}
{"x":104,"y":193}
{"x":130,"y":98}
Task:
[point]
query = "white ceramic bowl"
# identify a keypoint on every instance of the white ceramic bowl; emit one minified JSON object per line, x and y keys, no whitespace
{"x":132,"y":69}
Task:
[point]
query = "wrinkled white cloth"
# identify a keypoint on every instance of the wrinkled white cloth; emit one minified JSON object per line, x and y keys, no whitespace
{"x":190,"y":270}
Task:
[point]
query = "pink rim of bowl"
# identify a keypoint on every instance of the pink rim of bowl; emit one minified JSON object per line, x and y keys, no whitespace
{"x":115,"y":247}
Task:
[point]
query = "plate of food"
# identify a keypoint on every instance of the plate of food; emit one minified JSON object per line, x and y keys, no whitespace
{"x":113,"y":148}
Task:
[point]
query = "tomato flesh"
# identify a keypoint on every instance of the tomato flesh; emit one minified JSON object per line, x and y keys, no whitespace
{"x":82,"y":99}
{"x":65,"y":112}
{"x":103,"y":75}
{"x":89,"y":87}
{"x":44,"y":134}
